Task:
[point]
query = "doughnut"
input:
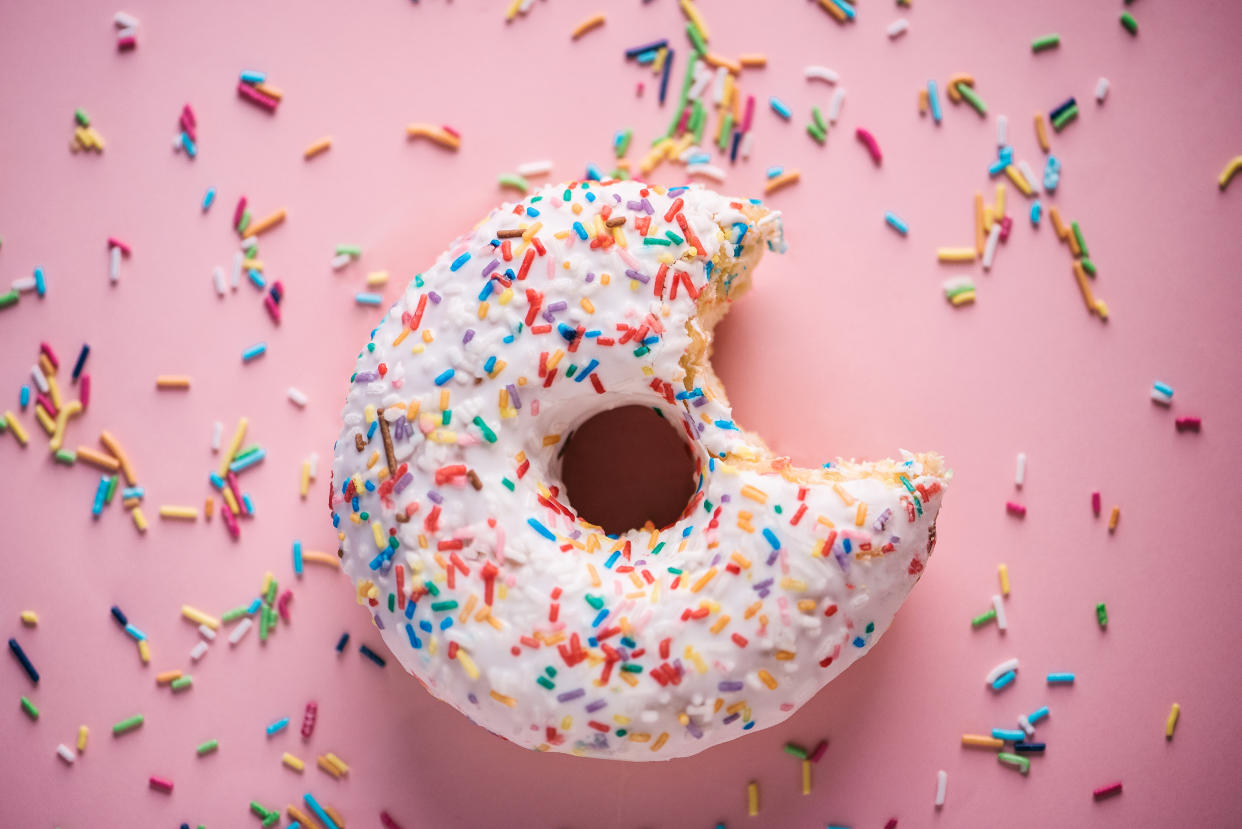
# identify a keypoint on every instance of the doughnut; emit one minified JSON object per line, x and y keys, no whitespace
{"x":480,"y":577}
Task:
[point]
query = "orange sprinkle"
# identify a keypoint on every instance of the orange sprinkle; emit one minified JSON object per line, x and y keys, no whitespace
{"x":592,"y":22}
{"x":172,"y":381}
{"x":99,"y":459}
{"x":783,"y":180}
{"x":320,"y":146}
{"x":265,"y":224}
{"x":767,"y":679}
{"x":753,"y":60}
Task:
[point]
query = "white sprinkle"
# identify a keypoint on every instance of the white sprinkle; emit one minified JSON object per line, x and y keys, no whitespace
{"x":249,"y":245}
{"x":217,"y":278}
{"x":124,"y":20}
{"x":206,"y":632}
{"x":989,"y":248}
{"x":314,"y":464}
{"x":341,"y":260}
{"x":534,"y":168}
{"x":1025,"y":169}
{"x":525,"y":7}
{"x":821,"y":73}
{"x":235,"y":281}
{"x":942,"y":785}
{"x":1002,"y":130}
{"x":243,"y":627}
{"x":1101,"y":90}
{"x":297,"y":396}
{"x":718,"y":86}
{"x":1001,"y":669}
{"x":1027,"y":728}
{"x":997,"y":602}
{"x":24,"y":284}
{"x":1158,"y":396}
{"x":689,"y":152}
{"x":176,"y":143}
{"x":40,"y":380}
{"x":709,"y":170}
{"x":958,"y":282}
{"x":114,"y":264}
{"x":898,"y":28}
{"x":748,"y":141}
{"x":834,"y":106}
{"x":1019,"y":477}
{"x":196,"y":653}
{"x":66,"y":753}
{"x":702,"y":79}
{"x":128,"y":31}
{"x":217,"y":429}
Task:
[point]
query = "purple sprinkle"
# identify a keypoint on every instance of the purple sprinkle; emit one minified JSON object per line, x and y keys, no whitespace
{"x":692,"y":726}
{"x":616,"y":197}
{"x":882,"y":521}
{"x":379,"y":623}
{"x":700,"y":401}
{"x":763,"y":585}
{"x":548,"y":316}
{"x":435,"y":497}
{"x":634,"y":205}
{"x":715,"y":560}
{"x":569,"y":696}
{"x":513,"y":396}
{"x":401,"y":429}
{"x":468,"y":336}
{"x":491,"y":266}
{"x":402,"y":483}
{"x":772,"y":557}
{"x":633,"y":274}
{"x":366,"y":377}
{"x":434,"y":297}
{"x":763,"y":594}
{"x":726,"y":498}
{"x":592,"y":707}
{"x":646,"y":206}
{"x":559,"y":305}
{"x":590,"y":277}
{"x":473,"y":699}
{"x":730,"y":685}
{"x":843,"y":559}
{"x":730,"y":718}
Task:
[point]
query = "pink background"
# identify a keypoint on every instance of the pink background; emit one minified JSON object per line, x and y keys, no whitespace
{"x":846,"y":346}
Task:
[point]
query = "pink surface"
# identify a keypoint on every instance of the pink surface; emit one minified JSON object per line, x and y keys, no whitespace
{"x":845,"y":347}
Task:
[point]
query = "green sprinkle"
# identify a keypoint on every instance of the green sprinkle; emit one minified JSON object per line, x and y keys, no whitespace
{"x":550,"y":671}
{"x":699,"y":116}
{"x":81,"y":117}
{"x":1039,"y":44}
{"x":815,"y":132}
{"x":674,"y":238}
{"x":795,"y":750}
{"x":545,"y":682}
{"x":1014,"y":761}
{"x":707,"y":506}
{"x":508,"y":484}
{"x":621,"y":732}
{"x":870,"y":628}
{"x":271,"y":592}
{"x":1064,"y":118}
{"x":1101,"y":614}
{"x":632,"y":668}
{"x":66,"y":457}
{"x":1082,"y":244}
{"x":726,"y":131}
{"x":488,"y":434}
{"x":642,"y":351}
{"x":245,"y":221}
{"x":234,"y":614}
{"x":619,"y":174}
{"x":652,"y":240}
{"x":983,"y":618}
{"x":776,"y":508}
{"x":676,"y":571}
{"x":818,"y":118}
{"x":9,"y":299}
{"x":514,"y":181}
{"x":623,"y":145}
{"x":1130,"y":24}
{"x":655,"y":551}
{"x":29,"y":708}
{"x":696,"y":38}
{"x":392,"y":602}
{"x":207,"y":747}
{"x":181,"y":683}
{"x":447,"y":604}
{"x":349,"y":250}
{"x":906,"y":483}
{"x":127,"y":725}
{"x":596,"y":602}
{"x":971,"y":97}
{"x":112,"y":486}
{"x":431,"y":588}
{"x":1088,"y":265}
{"x":259,"y":809}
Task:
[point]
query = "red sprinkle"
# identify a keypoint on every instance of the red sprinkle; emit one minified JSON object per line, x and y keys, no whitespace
{"x":1107,"y":791}
{"x":1188,"y":424}
{"x":162,"y":785}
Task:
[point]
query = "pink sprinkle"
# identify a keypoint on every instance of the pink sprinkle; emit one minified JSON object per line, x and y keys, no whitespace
{"x":282,"y":604}
{"x":256,"y":97}
{"x":815,"y":755}
{"x":125,"y":44}
{"x":749,"y":113}
{"x":1107,"y":791}
{"x":450,"y":130}
{"x":638,"y":93}
{"x":1015,"y":508}
{"x":166,"y":786}
{"x":187,"y":112}
{"x":272,"y":308}
{"x":47,"y":404}
{"x":1095,"y":503}
{"x":238,"y":211}
{"x":1183,"y":424}
{"x":84,"y":392}
{"x":114,"y":242}
{"x":46,"y":348}
{"x":1006,"y":226}
{"x":892,"y":823}
{"x":385,"y":819}
{"x":873,"y":146}
{"x":187,"y":124}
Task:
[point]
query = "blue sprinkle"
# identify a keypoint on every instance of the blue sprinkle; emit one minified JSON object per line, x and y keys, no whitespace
{"x":1003,"y":680}
{"x":459,"y":261}
{"x":278,"y":726}
{"x":600,"y":617}
{"x":372,"y":655}
{"x":1009,"y":735}
{"x":342,"y":642}
{"x":40,"y":283}
{"x":297,"y":557}
{"x":135,"y":633}
{"x":773,"y":172}
{"x":248,"y":461}
{"x":580,"y":230}
{"x":208,"y":198}
{"x":188,"y":144}
{"x":365,"y":298}
{"x":254,"y":606}
{"x":256,"y":279}
{"x":254,"y":351}
{"x":251,"y":76}
{"x":772,"y":539}
{"x":541,"y":529}
{"x":414,"y":640}
{"x":444,"y":376}
{"x":1037,"y":210}
{"x":859,"y":641}
{"x":933,"y":98}
{"x":612,"y":559}
{"x":24,"y":397}
{"x":896,"y":223}
{"x":587,"y":369}
{"x":780,"y":108}
{"x":1037,"y":715}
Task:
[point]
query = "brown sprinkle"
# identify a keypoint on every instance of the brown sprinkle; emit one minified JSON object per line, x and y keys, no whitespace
{"x":512,"y":233}
{"x":389,"y":455}
{"x":359,"y":443}
{"x":473,"y":478}
{"x":615,"y":221}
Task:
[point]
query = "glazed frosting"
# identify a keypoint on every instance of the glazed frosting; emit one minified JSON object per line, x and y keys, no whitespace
{"x":481,"y":579}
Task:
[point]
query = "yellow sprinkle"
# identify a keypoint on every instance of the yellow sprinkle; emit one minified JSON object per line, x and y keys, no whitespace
{"x":694,"y":16}
{"x":338,"y":762}
{"x":752,"y":798}
{"x":292,"y":762}
{"x":1003,"y":573}
{"x":83,"y":733}
{"x":16,"y":428}
{"x":45,"y":419}
{"x":660,"y":741}
{"x":1000,"y":201}
{"x":1171,"y":724}
{"x":178,"y":512}
{"x":587,"y":25}
{"x":30,"y":618}
{"x":767,"y":678}
{"x":252,"y":265}
{"x":198,"y":617}
{"x":551,"y":440}
{"x":73,"y":407}
{"x":860,"y":517}
{"x":304,"y":486}
{"x":144,"y":652}
{"x":467,"y":663}
{"x":322,"y":145}
{"x":239,"y":435}
{"x":720,"y":624}
{"x":955,"y":254}
{"x":375,"y":278}
{"x":740,"y":560}
{"x":230,"y":500}
{"x":501,"y":698}
{"x":140,"y":520}
{"x":806,"y":776}
{"x":328,"y":766}
{"x":1019,"y":180}
{"x":509,"y":15}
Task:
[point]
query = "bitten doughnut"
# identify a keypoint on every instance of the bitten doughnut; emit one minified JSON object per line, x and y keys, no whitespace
{"x":476,"y":570}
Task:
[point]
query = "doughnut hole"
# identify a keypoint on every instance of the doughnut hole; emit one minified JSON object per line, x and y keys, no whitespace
{"x":626,"y":466}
